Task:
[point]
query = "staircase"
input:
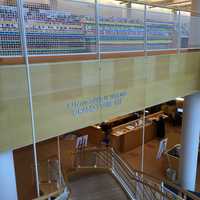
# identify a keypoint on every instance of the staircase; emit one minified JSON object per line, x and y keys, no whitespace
{"x":96,"y":186}
{"x":100,"y":174}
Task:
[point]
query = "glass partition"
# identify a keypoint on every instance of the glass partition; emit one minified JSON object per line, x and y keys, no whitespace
{"x":121,"y":29}
{"x":161,"y":29}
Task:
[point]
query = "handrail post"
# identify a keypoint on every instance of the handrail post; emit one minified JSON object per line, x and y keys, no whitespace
{"x":113,"y":163}
{"x":59,"y":161}
{"x":137,"y":187}
{"x":162,"y":189}
{"x":143,"y":138}
{"x":179,"y":33}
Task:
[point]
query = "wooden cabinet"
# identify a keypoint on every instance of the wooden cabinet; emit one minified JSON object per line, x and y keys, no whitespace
{"x":133,"y":139}
{"x":128,"y":136}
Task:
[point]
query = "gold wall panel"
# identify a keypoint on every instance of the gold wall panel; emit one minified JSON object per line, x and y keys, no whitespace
{"x":67,"y":95}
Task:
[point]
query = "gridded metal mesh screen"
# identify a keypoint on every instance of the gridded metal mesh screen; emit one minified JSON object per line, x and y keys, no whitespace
{"x":67,"y":26}
{"x":121,"y":29}
{"x":162,"y":29}
{"x":60,"y":27}
{"x":10,"y":44}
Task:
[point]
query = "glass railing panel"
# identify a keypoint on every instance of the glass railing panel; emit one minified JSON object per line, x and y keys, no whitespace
{"x":161,"y":29}
{"x":61,"y":27}
{"x":121,"y":29}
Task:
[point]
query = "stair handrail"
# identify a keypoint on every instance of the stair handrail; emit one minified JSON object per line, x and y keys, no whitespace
{"x":159,"y":181}
{"x":147,"y":180}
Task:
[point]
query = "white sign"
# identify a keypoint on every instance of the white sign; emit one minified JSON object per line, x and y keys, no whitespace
{"x":162,"y":148}
{"x":81,"y":142}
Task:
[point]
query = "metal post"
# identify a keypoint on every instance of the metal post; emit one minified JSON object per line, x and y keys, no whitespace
{"x":97,"y":29}
{"x":143,"y":135}
{"x":145,"y":30}
{"x":22,"y":26}
{"x":162,"y":190}
{"x":59,"y":161}
{"x":137,"y":192}
{"x":179,"y":33}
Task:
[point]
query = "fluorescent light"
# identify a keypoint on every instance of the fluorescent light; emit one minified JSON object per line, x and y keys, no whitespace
{"x":179,"y":99}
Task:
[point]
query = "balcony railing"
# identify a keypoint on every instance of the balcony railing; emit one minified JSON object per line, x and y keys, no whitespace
{"x":91,"y":31}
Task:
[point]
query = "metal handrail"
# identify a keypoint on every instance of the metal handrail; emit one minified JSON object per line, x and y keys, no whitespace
{"x":156,"y":180}
{"x":135,"y":182}
{"x":125,"y":179}
{"x":165,"y":182}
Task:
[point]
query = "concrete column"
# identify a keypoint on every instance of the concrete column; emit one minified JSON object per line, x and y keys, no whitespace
{"x":190,"y":142}
{"x":194,"y":39}
{"x":7,"y":177}
{"x":127,"y":11}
